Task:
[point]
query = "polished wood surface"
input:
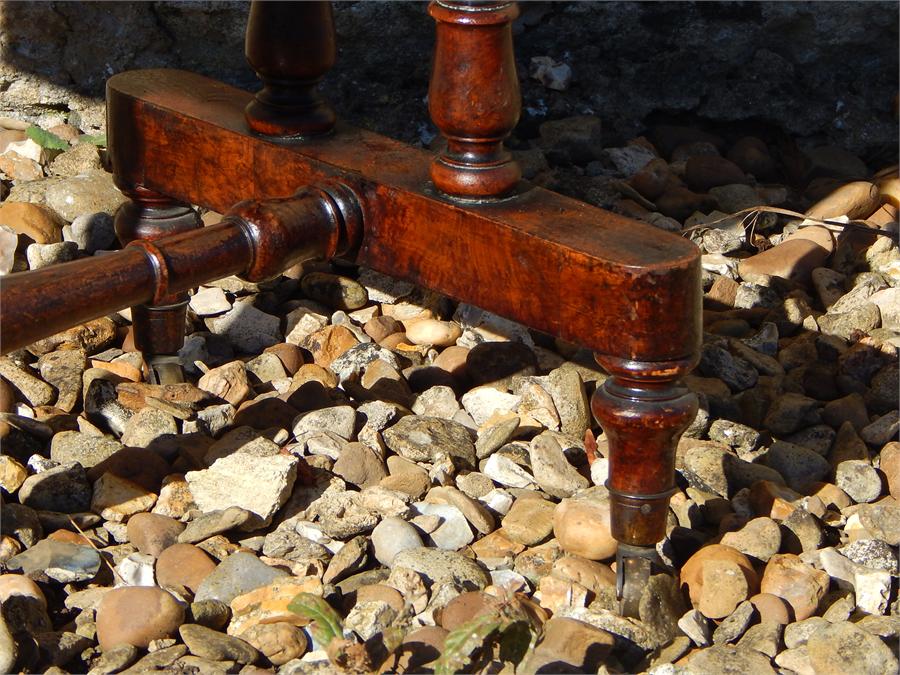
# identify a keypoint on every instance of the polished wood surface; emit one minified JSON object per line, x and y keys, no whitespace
{"x":290,"y":45}
{"x":474,"y":98}
{"x":613,"y":284}
{"x":255,"y":240}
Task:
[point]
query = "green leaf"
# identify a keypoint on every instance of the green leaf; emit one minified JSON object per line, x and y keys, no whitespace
{"x":327,"y":625}
{"x":45,"y":139}
{"x":460,"y":643}
{"x":93,"y":139}
{"x":516,"y":640}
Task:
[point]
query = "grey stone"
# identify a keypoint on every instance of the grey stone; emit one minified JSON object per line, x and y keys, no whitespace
{"x":711,"y":467}
{"x":453,"y":532}
{"x":551,"y":469}
{"x":845,"y":324}
{"x":882,"y":430}
{"x":216,"y":646}
{"x":733,"y":626}
{"x":288,"y":544}
{"x":737,"y":373}
{"x":342,"y":514}
{"x":859,"y":480}
{"x":423,"y":439}
{"x":87,"y":193}
{"x":696,"y":627}
{"x":247,"y":328}
{"x":102,"y":406}
{"x":61,"y":561}
{"x":798,"y":466}
{"x":760,"y":538}
{"x":740,"y":437}
{"x":22,"y":523}
{"x":882,"y":520}
{"x":334,"y":291}
{"x":571,"y":401}
{"x":439,"y":401}
{"x":44,"y":255}
{"x":495,"y":436}
{"x":63,"y":369}
{"x":147,"y":426}
{"x":844,"y":648}
{"x":370,"y":618}
{"x":340,"y":420}
{"x":209,"y":302}
{"x":351,"y":364}
{"x":803,"y":532}
{"x":438,"y":566}
{"x":91,"y":232}
{"x":215,"y":522}
{"x":32,"y":388}
{"x":63,"y":488}
{"x":75,"y":446}
{"x":239,"y":573}
{"x":872,"y":553}
{"x":350,"y":559}
{"x":791,"y":412}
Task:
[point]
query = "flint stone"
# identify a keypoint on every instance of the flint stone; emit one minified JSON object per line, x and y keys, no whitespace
{"x":62,"y":561}
{"x":439,"y":566}
{"x":64,"y":488}
{"x":238,"y":574}
{"x":423,"y":439}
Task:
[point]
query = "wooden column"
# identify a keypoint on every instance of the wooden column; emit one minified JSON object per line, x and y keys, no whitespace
{"x":291,"y":46}
{"x":474,"y":98}
{"x":158,"y":327}
{"x":643,"y":410}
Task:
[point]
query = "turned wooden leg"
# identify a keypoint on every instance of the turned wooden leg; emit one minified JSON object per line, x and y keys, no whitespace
{"x":291,"y":46}
{"x":643,"y":410}
{"x":158,"y":328}
{"x":474,"y":98}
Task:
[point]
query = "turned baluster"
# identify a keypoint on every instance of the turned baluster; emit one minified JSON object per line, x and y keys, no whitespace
{"x":158,"y":327}
{"x":290,"y":45}
{"x":643,"y":410}
{"x":474,"y":98}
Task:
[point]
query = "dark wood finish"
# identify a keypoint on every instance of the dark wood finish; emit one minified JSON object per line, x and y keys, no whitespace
{"x":158,"y":328}
{"x":291,"y":46}
{"x":613,"y":284}
{"x":255,"y":240}
{"x":643,"y":411}
{"x":474,"y":98}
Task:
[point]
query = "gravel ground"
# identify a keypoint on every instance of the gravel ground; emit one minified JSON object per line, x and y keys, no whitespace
{"x":360,"y":473}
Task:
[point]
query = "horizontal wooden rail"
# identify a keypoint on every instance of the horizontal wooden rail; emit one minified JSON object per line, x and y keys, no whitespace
{"x":615,"y":285}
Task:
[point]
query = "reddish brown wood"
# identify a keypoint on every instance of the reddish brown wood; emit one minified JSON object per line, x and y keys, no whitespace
{"x":643,"y":411}
{"x":158,"y":328}
{"x":291,"y":46}
{"x":255,"y":240}
{"x":613,"y":284}
{"x":474,"y":97}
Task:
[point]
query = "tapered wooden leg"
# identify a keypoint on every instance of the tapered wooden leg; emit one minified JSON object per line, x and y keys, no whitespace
{"x":291,"y":46}
{"x":643,"y":410}
{"x":158,"y":328}
{"x":474,"y":98}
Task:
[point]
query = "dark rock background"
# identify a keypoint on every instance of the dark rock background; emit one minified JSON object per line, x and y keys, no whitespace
{"x":823,"y":72}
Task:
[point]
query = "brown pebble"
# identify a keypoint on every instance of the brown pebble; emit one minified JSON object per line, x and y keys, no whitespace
{"x":7,"y":397}
{"x":380,"y":327}
{"x":152,"y":533}
{"x":137,"y":615}
{"x":718,"y":578}
{"x":708,"y":171}
{"x":799,"y":584}
{"x":772,"y":609}
{"x":183,"y":565}
{"x":291,"y":356}
{"x":465,"y":607}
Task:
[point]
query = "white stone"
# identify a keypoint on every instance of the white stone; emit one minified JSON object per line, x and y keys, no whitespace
{"x":304,"y":320}
{"x":482,"y":326}
{"x":209,"y":302}
{"x":600,"y":471}
{"x":482,"y":402}
{"x":340,"y":420}
{"x":696,"y":627}
{"x":433,"y":332}
{"x":453,"y":532}
{"x":135,"y":570}
{"x":391,"y":536}
{"x":503,"y":470}
{"x":260,"y":485}
{"x":498,"y":500}
{"x":437,"y":401}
